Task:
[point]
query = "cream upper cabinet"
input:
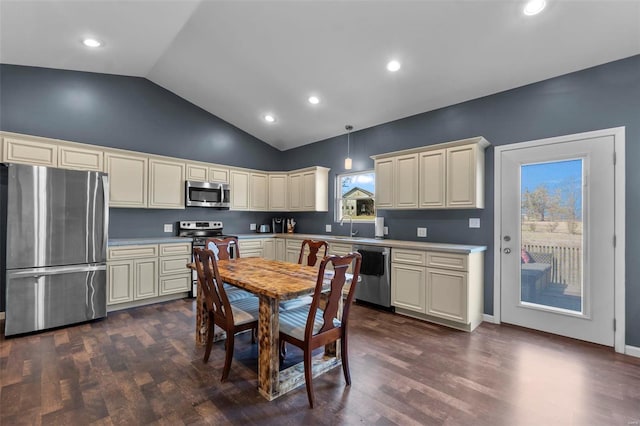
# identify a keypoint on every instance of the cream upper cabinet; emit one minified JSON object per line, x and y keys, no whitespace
{"x":447,"y":175}
{"x":166,"y":184}
{"x":239,"y":190}
{"x":465,"y":177}
{"x":384,"y":182}
{"x":309,"y":190}
{"x":76,"y":158}
{"x":432,"y":179}
{"x":127,"y":179}
{"x":218,"y":174}
{"x":197,"y":172}
{"x":24,"y":151}
{"x":406,"y":181}
{"x":259,"y":191}
{"x":278,"y":192}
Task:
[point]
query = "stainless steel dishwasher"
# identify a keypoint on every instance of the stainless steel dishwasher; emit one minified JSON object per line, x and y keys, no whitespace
{"x":375,"y":275}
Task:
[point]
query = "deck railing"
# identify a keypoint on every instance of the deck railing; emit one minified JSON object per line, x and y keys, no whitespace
{"x":566,"y":262}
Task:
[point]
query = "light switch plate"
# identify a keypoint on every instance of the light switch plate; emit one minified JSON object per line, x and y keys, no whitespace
{"x":386,"y":230}
{"x":327,"y":228}
{"x":422,"y":232}
{"x":168,"y":227}
{"x":474,"y":222}
{"x":252,"y":227}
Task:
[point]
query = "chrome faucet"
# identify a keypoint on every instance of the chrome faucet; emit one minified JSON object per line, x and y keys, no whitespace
{"x":351,"y":233}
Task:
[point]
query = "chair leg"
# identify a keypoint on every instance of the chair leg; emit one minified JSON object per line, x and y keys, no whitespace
{"x":210,"y":332}
{"x":345,"y":359}
{"x":228,"y":356}
{"x":308,"y":375}
{"x":283,"y":350}
{"x":254,"y":335}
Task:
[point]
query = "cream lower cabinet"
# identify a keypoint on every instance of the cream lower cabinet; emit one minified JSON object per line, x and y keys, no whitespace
{"x":252,"y":247}
{"x":166,"y":184}
{"x":128,"y":179}
{"x":293,"y":247}
{"x":269,"y":249}
{"x":175,"y":277}
{"x":130,"y":280}
{"x":446,"y":288}
{"x":281,"y":248}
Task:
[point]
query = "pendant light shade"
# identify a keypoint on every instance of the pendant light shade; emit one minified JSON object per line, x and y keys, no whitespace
{"x":347,"y":161}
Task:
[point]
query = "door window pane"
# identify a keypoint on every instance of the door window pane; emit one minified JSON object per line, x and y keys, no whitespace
{"x":552,"y":235}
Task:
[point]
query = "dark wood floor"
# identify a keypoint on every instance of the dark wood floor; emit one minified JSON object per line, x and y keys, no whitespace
{"x":141,"y":366}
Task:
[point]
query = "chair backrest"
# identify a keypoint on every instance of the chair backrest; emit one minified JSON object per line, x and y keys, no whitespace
{"x":215,"y":297}
{"x":334,"y":293}
{"x":314,"y":248}
{"x":221,"y":247}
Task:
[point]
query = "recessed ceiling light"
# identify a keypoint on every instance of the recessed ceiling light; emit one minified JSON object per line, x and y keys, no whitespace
{"x":269,"y":118}
{"x":91,"y":42}
{"x":393,"y":66}
{"x":314,"y":100}
{"x":533,"y":7}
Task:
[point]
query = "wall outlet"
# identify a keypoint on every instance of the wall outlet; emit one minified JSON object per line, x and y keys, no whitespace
{"x":168,"y":227}
{"x":474,"y":222}
{"x":252,"y":227}
{"x":327,"y":228}
{"x":386,"y":230}
{"x":422,"y":232}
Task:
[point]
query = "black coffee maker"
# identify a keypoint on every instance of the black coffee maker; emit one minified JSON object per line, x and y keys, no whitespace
{"x":279,"y":225}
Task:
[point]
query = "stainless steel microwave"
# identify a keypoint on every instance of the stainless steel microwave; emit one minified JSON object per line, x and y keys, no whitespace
{"x":207,"y":194}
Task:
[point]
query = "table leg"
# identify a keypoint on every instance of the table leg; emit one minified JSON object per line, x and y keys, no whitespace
{"x":202,"y":318}
{"x":269,"y":352}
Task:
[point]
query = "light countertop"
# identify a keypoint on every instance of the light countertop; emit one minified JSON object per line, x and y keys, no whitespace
{"x":113,"y":242}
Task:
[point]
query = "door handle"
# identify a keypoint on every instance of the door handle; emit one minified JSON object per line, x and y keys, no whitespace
{"x":507,"y":250}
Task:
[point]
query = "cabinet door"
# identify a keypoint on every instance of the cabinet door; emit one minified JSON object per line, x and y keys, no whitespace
{"x":280,"y":249}
{"x":461,"y":176}
{"x":292,"y":256}
{"x":127,"y":179}
{"x":309,"y":191}
{"x":166,"y":184}
{"x":197,"y":172}
{"x":239,"y":190}
{"x":269,"y":249}
{"x":384,"y":183}
{"x":432,"y":179}
{"x":295,"y":191}
{"x":218,"y":174}
{"x":278,"y":193}
{"x":30,"y":152}
{"x":406,"y":181}
{"x":259,"y":191}
{"x":75,"y":158}
{"x":145,"y":278}
{"x":408,"y":287}
{"x":447,"y":294}
{"x":120,"y":281}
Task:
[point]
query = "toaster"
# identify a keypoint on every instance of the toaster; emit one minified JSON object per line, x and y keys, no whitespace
{"x":264,"y":229}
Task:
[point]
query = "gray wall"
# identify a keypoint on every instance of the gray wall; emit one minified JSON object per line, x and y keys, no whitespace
{"x":133,"y":113}
{"x":597,"y":98}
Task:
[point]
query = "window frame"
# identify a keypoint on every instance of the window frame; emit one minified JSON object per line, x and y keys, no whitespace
{"x":337,"y":202}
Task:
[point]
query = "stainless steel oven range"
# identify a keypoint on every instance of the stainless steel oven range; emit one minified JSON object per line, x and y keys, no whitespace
{"x":200,"y":230}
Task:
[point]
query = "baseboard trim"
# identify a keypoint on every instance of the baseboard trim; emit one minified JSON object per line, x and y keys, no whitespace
{"x":632,"y":350}
{"x":489,"y":318}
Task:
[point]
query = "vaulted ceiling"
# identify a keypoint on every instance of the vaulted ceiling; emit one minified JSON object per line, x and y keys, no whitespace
{"x":241,"y":60}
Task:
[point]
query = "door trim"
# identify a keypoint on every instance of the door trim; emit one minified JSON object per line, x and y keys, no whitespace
{"x":618,"y":134}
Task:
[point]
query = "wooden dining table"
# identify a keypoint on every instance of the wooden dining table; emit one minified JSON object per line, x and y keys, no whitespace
{"x":273,"y":282}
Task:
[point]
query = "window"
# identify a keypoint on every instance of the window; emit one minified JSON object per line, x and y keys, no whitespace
{"x":355,"y":196}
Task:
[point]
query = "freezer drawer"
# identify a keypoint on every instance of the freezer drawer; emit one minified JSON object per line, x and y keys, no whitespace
{"x":43,"y":298}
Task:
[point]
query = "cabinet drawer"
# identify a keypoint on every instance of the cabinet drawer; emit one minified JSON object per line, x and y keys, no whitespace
{"x":410,"y":257}
{"x":252,"y":253}
{"x":294,"y":244}
{"x":341,"y":249}
{"x":249,"y":245}
{"x":453,"y":261}
{"x":174,"y":265}
{"x":175,"y":284}
{"x":175,"y":249}
{"x":129,"y":252}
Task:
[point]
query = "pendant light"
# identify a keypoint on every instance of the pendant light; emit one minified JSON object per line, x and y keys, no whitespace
{"x":347,"y":161}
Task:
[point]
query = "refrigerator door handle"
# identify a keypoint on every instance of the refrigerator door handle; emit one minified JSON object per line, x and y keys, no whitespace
{"x":54,"y":270}
{"x":105,"y":230}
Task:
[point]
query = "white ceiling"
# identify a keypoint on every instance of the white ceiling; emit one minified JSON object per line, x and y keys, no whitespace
{"x":242,"y":59}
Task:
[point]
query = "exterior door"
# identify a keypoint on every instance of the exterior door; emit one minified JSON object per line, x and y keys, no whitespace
{"x":557,"y":237}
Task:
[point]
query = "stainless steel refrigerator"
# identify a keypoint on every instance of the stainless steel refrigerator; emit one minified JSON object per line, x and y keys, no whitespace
{"x":57,"y":222}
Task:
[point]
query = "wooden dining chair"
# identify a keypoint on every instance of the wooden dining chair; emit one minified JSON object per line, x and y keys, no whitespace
{"x":314,"y":248}
{"x":241,"y":315}
{"x":223,"y":247}
{"x":318,"y":324}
